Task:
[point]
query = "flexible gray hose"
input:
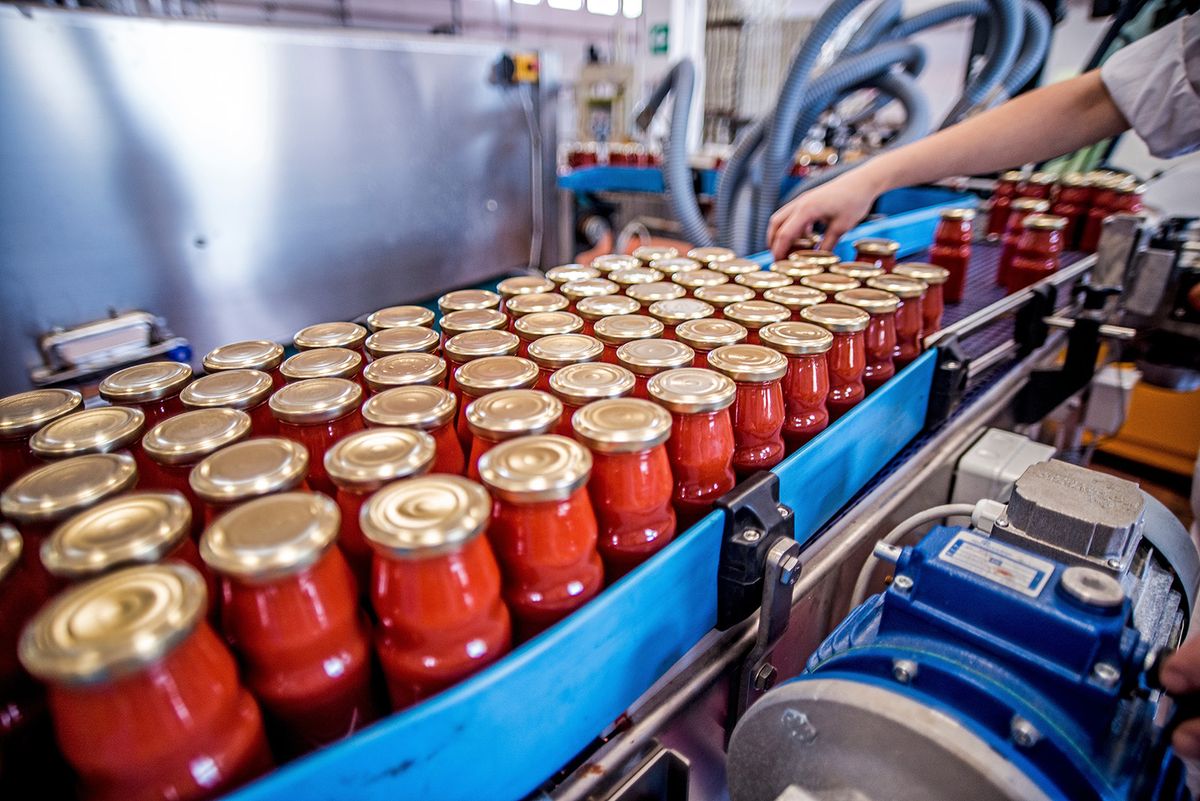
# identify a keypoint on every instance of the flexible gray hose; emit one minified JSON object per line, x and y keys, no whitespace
{"x":939,"y":16}
{"x":731,"y":179}
{"x":1008,"y":29}
{"x":875,"y":27}
{"x":1033,"y":48}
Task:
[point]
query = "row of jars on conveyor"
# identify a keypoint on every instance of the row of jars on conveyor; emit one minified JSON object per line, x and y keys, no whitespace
{"x":269,"y":540}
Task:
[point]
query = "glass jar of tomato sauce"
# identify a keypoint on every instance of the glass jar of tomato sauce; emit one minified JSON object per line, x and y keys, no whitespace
{"x":648,"y":254}
{"x":460,"y":322}
{"x":351,"y":336}
{"x":245,"y":390}
{"x":406,"y":339}
{"x":246,"y":470}
{"x":1019,"y":209}
{"x":692,"y":280}
{"x":103,"y":429}
{"x":508,"y":414}
{"x":137,"y":639}
{"x":464,"y":299}
{"x":760,"y":281}
{"x":649,"y":357}
{"x":678,"y":264}
{"x":593,"y":310}
{"x":152,"y":387}
{"x":175,"y":446}
{"x":847,"y":356}
{"x":21,"y":416}
{"x":252,"y":354}
{"x":754,"y":314}
{"x":933,"y":306}
{"x":362,"y":464}
{"x":610,"y":262}
{"x":471,"y":345}
{"x":806,"y":385}
{"x":807,"y":262}
{"x":1038,"y":185}
{"x":633,"y":276}
{"x":578,"y":385}
{"x":521,"y":285}
{"x":543,"y":528}
{"x":1038,"y":251}
{"x":829,"y":283}
{"x":559,"y":350}
{"x":858,"y":270}
{"x":398,"y":316}
{"x":1002,"y":197}
{"x":735,"y":267}
{"x":615,"y":331}
{"x":879,"y":338}
{"x":405,"y":370}
{"x":544,"y":324}
{"x":326,"y":363}
{"x":704,"y":336}
{"x":317,"y":413}
{"x":723,"y":295}
{"x":1111,"y":194}
{"x":576,"y":291}
{"x":522,"y":305}
{"x":631,"y":482}
{"x":795,"y":298}
{"x":711,"y":255}
{"x":952,"y":249}
{"x":428,"y":409}
{"x":484,"y":376}
{"x":909,"y":318}
{"x":647,"y":294}
{"x":435,"y":585}
{"x":1072,"y":203}
{"x":700,"y":448}
{"x":289,"y":608}
{"x":758,"y":407}
{"x":673,"y":312}
{"x":880,"y":252}
{"x":566,"y":273}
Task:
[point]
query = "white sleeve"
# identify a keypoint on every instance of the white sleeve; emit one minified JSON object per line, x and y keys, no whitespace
{"x":1155,"y":82}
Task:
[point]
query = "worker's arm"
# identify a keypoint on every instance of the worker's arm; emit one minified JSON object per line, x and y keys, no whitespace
{"x":1047,"y":122}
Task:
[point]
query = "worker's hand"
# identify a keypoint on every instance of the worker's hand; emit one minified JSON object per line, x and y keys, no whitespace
{"x":840,"y":205}
{"x":1181,"y":675}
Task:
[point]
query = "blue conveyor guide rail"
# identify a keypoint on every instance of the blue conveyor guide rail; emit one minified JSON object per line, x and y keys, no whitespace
{"x":502,"y":733}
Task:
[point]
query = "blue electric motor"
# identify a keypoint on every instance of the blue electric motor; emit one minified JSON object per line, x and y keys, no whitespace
{"x":984,"y":671}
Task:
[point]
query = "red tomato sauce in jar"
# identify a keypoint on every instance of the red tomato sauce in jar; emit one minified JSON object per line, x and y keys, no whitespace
{"x":952,"y":249}
{"x":880,"y":336}
{"x":1022,"y":207}
{"x":910,"y":315}
{"x":1002,"y":197}
{"x":1072,"y":202}
{"x":646,"y":358}
{"x":933,"y":305}
{"x":253,"y":354}
{"x":247,"y":470}
{"x":806,"y":385}
{"x":21,"y":416}
{"x":1038,"y":251}
{"x":508,"y":414}
{"x":847,"y":356}
{"x":578,"y":385}
{"x":472,"y":345}
{"x":880,"y":252}
{"x":317,"y":413}
{"x":428,"y":409}
{"x":152,"y":387}
{"x":485,"y":376}
{"x":758,"y":408}
{"x":245,"y":390}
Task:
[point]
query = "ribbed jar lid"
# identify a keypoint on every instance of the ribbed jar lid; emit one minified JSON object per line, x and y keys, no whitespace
{"x":796,"y":339}
{"x":137,"y":528}
{"x":559,"y":350}
{"x":582,"y":383}
{"x":99,"y":430}
{"x":837,"y":317}
{"x":795,"y":297}
{"x":468,"y":299}
{"x":876,"y":246}
{"x":651,"y":356}
{"x":464,"y":347}
{"x":513,"y":413}
{"x":330,"y":335}
{"x":899,"y":285}
{"x":145,"y":382}
{"x":26,"y":412}
{"x":535,"y":469}
{"x":645,"y":294}
{"x":426,"y":516}
{"x":590,"y":288}
{"x":858,"y":270}
{"x":622,"y":425}
{"x":929,"y":273}
{"x":271,"y":537}
{"x":872,"y":301}
{"x":623,"y":328}
{"x":757,"y":313}
{"x":406,"y":339}
{"x":722,"y":295}
{"x":397,"y":316}
{"x":704,"y":335}
{"x":543,"y":324}
{"x":420,"y":407}
{"x":673,"y":312}
{"x":609,"y":262}
{"x":694,"y":279}
{"x":711,"y":255}
{"x":762,"y":280}
{"x":601,"y":306}
{"x":190,"y":436}
{"x":366,"y":460}
{"x":522,"y":305}
{"x":633,"y":276}
{"x":524,"y":285}
{"x":325,"y":363}
{"x":316,"y":400}
{"x":251,"y":354}
{"x":736,"y":267}
{"x":57,"y":490}
{"x":748,"y":363}
{"x":648,"y":254}
{"x":250,"y":469}
{"x":679,"y":264}
{"x":829,"y":282}
{"x":404,"y":370}
{"x":228,"y":389}
{"x":457,"y":322}
{"x":692,"y":390}
{"x":566,"y":273}
{"x":492,"y":373}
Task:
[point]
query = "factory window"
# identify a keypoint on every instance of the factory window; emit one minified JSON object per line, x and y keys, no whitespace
{"x":566,"y":5}
{"x":633,"y":8}
{"x":605,"y":7}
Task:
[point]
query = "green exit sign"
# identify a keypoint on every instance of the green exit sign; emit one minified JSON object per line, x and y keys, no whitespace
{"x":658,"y":39}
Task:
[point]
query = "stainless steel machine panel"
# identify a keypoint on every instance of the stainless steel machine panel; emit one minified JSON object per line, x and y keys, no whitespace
{"x":243,"y":181}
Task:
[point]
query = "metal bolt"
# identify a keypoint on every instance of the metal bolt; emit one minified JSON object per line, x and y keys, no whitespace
{"x":1002,"y":521}
{"x":798,"y":726}
{"x":789,"y":570}
{"x":1106,"y":673}
{"x":1115,"y":564}
{"x":784,"y":511}
{"x":904,"y":670}
{"x":752,"y":535}
{"x":1023,"y":733}
{"x":951,"y":365}
{"x":902,"y":583}
{"x":764,"y":679}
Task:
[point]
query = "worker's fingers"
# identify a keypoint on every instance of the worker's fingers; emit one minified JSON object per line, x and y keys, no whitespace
{"x":1187,"y":739}
{"x":797,"y":222}
{"x":833,"y":232}
{"x":1181,"y":672}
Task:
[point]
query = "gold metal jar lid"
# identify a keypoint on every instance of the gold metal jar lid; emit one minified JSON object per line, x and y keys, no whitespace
{"x":692,"y":390}
{"x":622,"y":425}
{"x":872,"y":301}
{"x":459,"y":322}
{"x":26,"y":412}
{"x":614,"y":261}
{"x":1045,"y":222}
{"x":228,"y":389}
{"x":795,"y":297}
{"x":145,"y":382}
{"x":901,"y":286}
{"x":419,"y":407}
{"x":929,"y":273}
{"x":11,"y":546}
{"x":748,"y":363}
{"x":566,"y":273}
{"x":524,"y":285}
{"x":398,"y":316}
{"x":325,"y":362}
{"x":1030,"y":205}
{"x":463,"y":299}
{"x":633,"y":276}
{"x":536,"y":469}
{"x":669,"y":267}
{"x":330,"y":335}
{"x":858,"y":270}
{"x":1012,"y":176}
{"x":645,"y":294}
{"x":590,"y":288}
{"x":541,"y":302}
{"x":711,"y":255}
{"x":138,"y":528}
{"x":829,"y":282}
{"x":796,"y":339}
{"x":190,"y":436}
{"x":470,"y":345}
{"x":875,"y":246}
{"x":513,"y":413}
{"x":652,"y":253}
{"x":672,"y":312}
{"x":366,"y":460}
{"x":818,"y":258}
{"x":582,"y":383}
{"x":252,"y":354}
{"x":57,"y":490}
{"x":99,"y":430}
{"x":837,"y":317}
{"x":404,"y":370}
{"x":704,"y":335}
{"x":426,"y":516}
{"x":757,"y":313}
{"x":559,"y":350}
{"x":406,"y":339}
{"x":964,"y":215}
{"x":722,"y":295}
{"x":114,"y":625}
{"x":493,"y":373}
{"x":736,"y":267}
{"x":316,"y":400}
{"x":543,"y":324}
{"x":271,"y":537}
{"x":250,"y":469}
{"x":1043,"y":178}
{"x":694,"y":279}
{"x":622,"y":328}
{"x":601,"y":306}
{"x":797,"y":269}
{"x":762,"y":280}
{"x":651,"y":356}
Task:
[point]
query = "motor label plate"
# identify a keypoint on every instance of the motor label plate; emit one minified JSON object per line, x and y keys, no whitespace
{"x":994,"y":561}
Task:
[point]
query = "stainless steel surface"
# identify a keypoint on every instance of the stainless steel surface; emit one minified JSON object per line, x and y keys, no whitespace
{"x":242,"y":182}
